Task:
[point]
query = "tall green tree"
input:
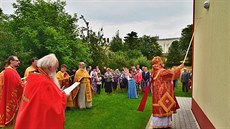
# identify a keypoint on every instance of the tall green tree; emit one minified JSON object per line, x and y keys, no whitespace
{"x":186,"y":36}
{"x":174,"y":55}
{"x":44,"y":27}
{"x":118,"y":60}
{"x":9,"y":45}
{"x":150,"y":47}
{"x":131,"y":41}
{"x":127,"y":59}
{"x":116,"y":43}
{"x":98,"y":49}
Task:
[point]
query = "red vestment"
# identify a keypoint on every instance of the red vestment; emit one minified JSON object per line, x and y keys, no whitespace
{"x":43,"y":104}
{"x":164,"y":105}
{"x":10,"y":96}
{"x":163,"y":98}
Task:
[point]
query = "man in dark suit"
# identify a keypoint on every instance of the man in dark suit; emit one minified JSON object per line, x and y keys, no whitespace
{"x":145,"y":78}
{"x":185,"y":76}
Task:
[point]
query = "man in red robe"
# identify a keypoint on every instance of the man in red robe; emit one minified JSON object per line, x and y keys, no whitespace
{"x":163,"y":99}
{"x":11,"y":92}
{"x":43,"y":102}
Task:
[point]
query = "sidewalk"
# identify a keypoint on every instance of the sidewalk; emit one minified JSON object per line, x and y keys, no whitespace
{"x":184,"y":118}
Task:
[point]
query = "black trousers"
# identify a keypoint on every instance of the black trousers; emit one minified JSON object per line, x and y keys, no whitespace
{"x":185,"y":86}
{"x":108,"y":87}
{"x":98,"y":88}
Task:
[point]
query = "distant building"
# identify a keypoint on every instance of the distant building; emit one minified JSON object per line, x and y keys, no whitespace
{"x":166,"y":43}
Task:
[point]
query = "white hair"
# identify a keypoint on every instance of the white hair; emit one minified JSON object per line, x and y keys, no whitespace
{"x":82,"y":63}
{"x":46,"y":62}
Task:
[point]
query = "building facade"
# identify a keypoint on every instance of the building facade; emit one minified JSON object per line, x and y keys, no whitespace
{"x":166,"y":43}
{"x":211,"y":64}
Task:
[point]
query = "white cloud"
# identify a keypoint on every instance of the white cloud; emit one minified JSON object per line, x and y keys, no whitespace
{"x":168,"y":28}
{"x":165,"y":18}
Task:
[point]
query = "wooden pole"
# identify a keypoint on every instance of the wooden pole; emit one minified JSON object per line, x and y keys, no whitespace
{"x":188,"y":48}
{"x":191,"y":39}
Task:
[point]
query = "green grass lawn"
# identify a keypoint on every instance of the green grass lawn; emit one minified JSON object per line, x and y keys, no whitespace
{"x":178,"y":91}
{"x":113,"y":111}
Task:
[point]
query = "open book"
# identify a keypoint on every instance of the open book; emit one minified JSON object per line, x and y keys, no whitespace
{"x":23,"y":78}
{"x":69,"y":89}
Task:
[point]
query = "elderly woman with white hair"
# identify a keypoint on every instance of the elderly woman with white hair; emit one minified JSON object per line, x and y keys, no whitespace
{"x":43,"y":102}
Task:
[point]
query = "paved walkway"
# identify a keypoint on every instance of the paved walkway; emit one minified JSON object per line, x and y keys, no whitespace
{"x":184,"y":118}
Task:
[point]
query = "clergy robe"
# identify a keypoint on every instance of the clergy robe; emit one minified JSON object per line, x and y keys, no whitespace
{"x":43,"y":104}
{"x":164,"y":101}
{"x":163,"y":98}
{"x":10,"y":95}
{"x":163,"y":87}
{"x":30,"y":69}
{"x":83,"y":93}
{"x":64,"y":80}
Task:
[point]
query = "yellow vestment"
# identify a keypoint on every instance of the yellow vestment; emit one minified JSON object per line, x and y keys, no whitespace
{"x":83,"y":77}
{"x":28,"y":70}
{"x":64,"y":80}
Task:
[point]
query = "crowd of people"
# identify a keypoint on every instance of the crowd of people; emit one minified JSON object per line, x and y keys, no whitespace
{"x":134,"y":79}
{"x":40,"y":91}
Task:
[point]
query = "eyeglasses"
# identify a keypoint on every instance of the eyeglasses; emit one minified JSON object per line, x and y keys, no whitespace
{"x":16,"y":60}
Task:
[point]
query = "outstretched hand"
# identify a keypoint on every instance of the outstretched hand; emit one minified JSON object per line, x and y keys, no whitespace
{"x":182,"y":65}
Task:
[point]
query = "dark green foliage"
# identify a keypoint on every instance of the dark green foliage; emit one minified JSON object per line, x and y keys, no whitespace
{"x":9,"y":45}
{"x":178,"y":49}
{"x":150,"y":47}
{"x":174,"y":55}
{"x":186,"y":36}
{"x":127,"y":59}
{"x":98,"y":49}
{"x":134,"y":50}
{"x":118,"y":60}
{"x":38,"y":28}
{"x":116,"y":44}
{"x":131,"y":41}
{"x":45,"y":27}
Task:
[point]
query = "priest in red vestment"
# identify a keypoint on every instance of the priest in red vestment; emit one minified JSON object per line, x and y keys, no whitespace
{"x":163,"y":98}
{"x":10,"y":92}
{"x":43,"y":102}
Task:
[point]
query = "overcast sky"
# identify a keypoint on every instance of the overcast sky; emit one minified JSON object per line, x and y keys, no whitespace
{"x":164,"y":18}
